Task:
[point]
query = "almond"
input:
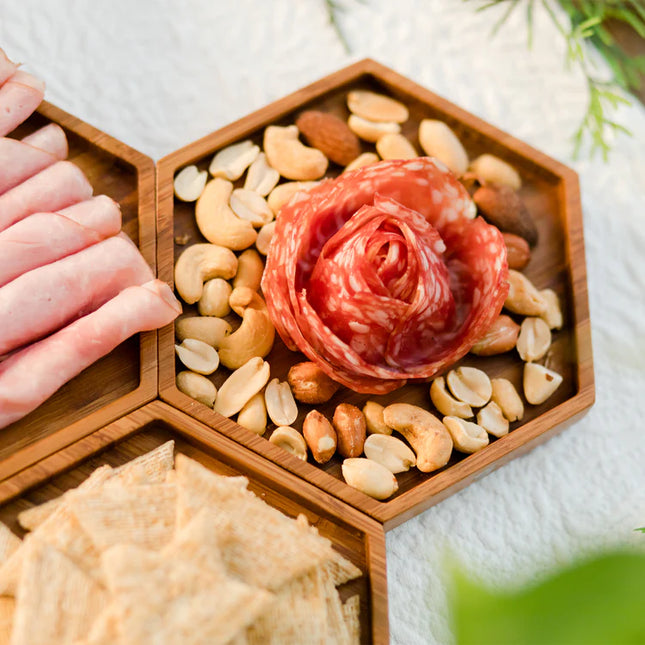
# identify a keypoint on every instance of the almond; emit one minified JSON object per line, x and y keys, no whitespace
{"x":502,"y":207}
{"x":310,"y":384}
{"x":329,"y":134}
{"x":500,"y":337}
{"x":518,"y":252}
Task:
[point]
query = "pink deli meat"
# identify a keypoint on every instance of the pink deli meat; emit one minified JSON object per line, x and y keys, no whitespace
{"x":20,"y":95}
{"x":49,"y":297}
{"x":382,"y":275}
{"x":42,"y":238}
{"x":50,"y":138}
{"x":56,"y":187}
{"x":32,"y":375}
{"x":7,"y":68}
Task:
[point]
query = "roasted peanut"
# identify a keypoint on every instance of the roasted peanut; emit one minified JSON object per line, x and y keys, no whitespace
{"x":501,"y":337}
{"x":507,"y":398}
{"x":395,"y":146}
{"x":389,"y":452}
{"x":371,"y":131}
{"x":207,"y":329}
{"x":291,"y":440}
{"x":197,"y":387}
{"x":447,"y":404}
{"x":552,"y":313}
{"x":253,"y":415}
{"x":214,"y":298}
{"x":493,"y":170}
{"x":280,"y":404}
{"x":376,"y":107}
{"x":197,"y":356}
{"x":492,"y":419}
{"x":369,"y":477}
{"x":523,"y":298}
{"x":468,"y":437}
{"x":539,"y":383}
{"x":518,"y":251}
{"x":349,"y":423}
{"x":232,"y":161}
{"x":189,"y":183}
{"x":470,"y":385}
{"x":310,"y":384}
{"x":534,"y":339}
{"x":320,"y":436}
{"x":374,"y":418}
{"x":438,"y":140}
{"x":241,"y":385}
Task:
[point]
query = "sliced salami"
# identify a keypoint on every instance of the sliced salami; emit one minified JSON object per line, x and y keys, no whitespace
{"x":383,"y":275}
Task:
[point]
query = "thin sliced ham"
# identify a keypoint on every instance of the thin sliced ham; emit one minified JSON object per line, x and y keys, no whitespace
{"x":56,"y":187}
{"x":45,"y":299}
{"x":50,"y":138}
{"x":42,"y":238}
{"x":32,"y":375}
{"x":7,"y":68}
{"x":19,"y":97}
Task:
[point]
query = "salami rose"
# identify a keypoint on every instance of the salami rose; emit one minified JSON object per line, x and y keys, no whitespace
{"x":382,"y":275}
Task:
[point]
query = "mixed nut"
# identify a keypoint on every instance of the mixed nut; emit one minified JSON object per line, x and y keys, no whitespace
{"x":224,"y":275}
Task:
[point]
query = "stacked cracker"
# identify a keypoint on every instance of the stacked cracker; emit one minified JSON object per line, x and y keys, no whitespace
{"x":147,"y":554}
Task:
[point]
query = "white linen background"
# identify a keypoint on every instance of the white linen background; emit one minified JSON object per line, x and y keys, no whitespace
{"x":158,"y":75}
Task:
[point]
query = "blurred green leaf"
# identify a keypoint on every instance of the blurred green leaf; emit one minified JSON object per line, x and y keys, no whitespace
{"x":597,"y":602}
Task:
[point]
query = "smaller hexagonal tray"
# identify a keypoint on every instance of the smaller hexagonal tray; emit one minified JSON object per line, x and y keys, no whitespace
{"x":550,"y":192}
{"x":353,"y":534}
{"x":127,"y":377}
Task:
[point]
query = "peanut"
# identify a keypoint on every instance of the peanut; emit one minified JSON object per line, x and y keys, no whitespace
{"x":349,"y":423}
{"x":310,"y":384}
{"x":320,"y":436}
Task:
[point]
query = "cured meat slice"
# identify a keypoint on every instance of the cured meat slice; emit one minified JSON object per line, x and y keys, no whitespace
{"x":42,"y":238}
{"x":382,"y":275}
{"x":20,"y":161}
{"x":56,"y":187}
{"x":50,"y":138}
{"x":32,"y":375}
{"x":7,"y":68}
{"x":49,"y":297}
{"x":20,"y":95}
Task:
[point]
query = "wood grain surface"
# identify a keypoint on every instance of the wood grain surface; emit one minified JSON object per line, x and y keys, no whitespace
{"x":550,"y":191}
{"x":353,"y":534}
{"x":127,"y":377}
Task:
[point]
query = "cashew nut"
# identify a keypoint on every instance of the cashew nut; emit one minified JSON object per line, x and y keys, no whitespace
{"x":428,"y":437}
{"x":281,"y":406}
{"x":281,"y":194}
{"x":539,"y":383}
{"x":506,"y":396}
{"x":373,"y":412}
{"x":241,"y":385}
{"x":492,"y":419}
{"x":447,"y":404}
{"x":369,"y":477}
{"x":534,"y":339}
{"x":250,"y":206}
{"x":438,"y":140}
{"x":371,"y":131}
{"x":214,"y":299}
{"x":470,"y":385}
{"x":264,"y":238}
{"x":201,"y":262}
{"x":468,"y":437}
{"x":261,"y":177}
{"x":208,"y":329}
{"x":253,"y":416}
{"x":290,"y":440}
{"x":232,"y":161}
{"x":389,"y":452}
{"x":198,"y":356}
{"x":254,"y":337}
{"x":217,"y":222}
{"x":290,"y":157}
{"x":197,"y":387}
{"x":249,"y":270}
{"x":189,"y":183}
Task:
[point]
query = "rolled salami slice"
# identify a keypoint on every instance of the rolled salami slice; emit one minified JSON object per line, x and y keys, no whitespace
{"x":49,"y":297}
{"x":32,"y":375}
{"x":7,"y":68}
{"x":50,"y":138}
{"x":20,"y":95}
{"x":382,"y":274}
{"x":42,"y":238}
{"x":56,"y":187}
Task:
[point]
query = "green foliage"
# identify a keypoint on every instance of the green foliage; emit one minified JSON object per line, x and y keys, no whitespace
{"x":587,"y":29}
{"x":597,"y":602}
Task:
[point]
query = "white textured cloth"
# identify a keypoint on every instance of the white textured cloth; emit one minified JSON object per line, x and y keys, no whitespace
{"x":158,"y":74}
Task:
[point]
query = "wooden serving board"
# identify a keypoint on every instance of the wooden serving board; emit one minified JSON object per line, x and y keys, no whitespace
{"x":550,"y":191}
{"x":127,"y":377}
{"x":353,"y":534}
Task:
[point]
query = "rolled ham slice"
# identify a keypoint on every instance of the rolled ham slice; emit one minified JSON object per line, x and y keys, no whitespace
{"x":20,"y":95}
{"x":7,"y":68}
{"x":42,"y":238}
{"x":50,"y":138}
{"x":56,"y":187}
{"x":45,"y":299}
{"x":32,"y":375}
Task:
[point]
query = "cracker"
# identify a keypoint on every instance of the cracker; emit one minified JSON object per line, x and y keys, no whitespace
{"x":163,"y":601}
{"x":257,"y":529}
{"x":56,"y":601}
{"x":7,"y":608}
{"x":335,"y":616}
{"x":351,"y":612}
{"x":150,"y":468}
{"x":142,"y":515}
{"x":9,"y":542}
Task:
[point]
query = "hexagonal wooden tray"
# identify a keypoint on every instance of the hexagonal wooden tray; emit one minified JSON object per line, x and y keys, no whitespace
{"x":550,"y":191}
{"x":127,"y":377}
{"x":354,"y":535}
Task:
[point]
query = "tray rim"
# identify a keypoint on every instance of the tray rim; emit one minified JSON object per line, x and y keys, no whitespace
{"x":422,"y":496}
{"x":148,"y":374}
{"x":83,"y":448}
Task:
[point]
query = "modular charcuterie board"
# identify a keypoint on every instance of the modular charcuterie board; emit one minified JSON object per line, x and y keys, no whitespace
{"x":550,"y":192}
